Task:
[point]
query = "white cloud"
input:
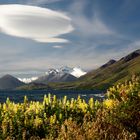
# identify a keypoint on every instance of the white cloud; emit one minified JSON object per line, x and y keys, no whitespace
{"x":28,"y":80}
{"x":58,"y":47}
{"x":39,"y":24}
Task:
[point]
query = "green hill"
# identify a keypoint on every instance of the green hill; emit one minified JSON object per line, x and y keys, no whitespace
{"x":107,"y":75}
{"x":33,"y":86}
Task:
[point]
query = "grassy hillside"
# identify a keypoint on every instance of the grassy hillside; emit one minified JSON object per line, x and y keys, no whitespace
{"x":33,"y":86}
{"x":102,"y":78}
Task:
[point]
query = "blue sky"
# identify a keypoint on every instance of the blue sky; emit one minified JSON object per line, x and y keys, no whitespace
{"x":95,"y":32}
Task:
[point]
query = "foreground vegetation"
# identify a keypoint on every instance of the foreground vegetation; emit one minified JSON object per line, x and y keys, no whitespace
{"x":116,"y":118}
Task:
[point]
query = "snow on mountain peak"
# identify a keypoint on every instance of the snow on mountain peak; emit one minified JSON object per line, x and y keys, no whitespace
{"x":52,"y":71}
{"x":66,"y":69}
{"x":78,"y":72}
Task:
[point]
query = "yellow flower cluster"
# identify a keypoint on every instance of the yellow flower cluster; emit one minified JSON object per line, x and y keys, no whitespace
{"x":40,"y":118}
{"x":109,"y":103}
{"x":123,"y":92}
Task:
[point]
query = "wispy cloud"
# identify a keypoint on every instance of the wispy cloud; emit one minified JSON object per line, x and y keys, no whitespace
{"x":58,"y":47}
{"x":39,"y":24}
{"x":87,"y":27}
{"x":91,"y":27}
{"x":38,"y":2}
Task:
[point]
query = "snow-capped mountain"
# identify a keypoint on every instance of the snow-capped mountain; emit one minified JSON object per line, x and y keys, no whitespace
{"x":57,"y":75}
{"x":52,"y":71}
{"x":77,"y":72}
{"x":28,"y":80}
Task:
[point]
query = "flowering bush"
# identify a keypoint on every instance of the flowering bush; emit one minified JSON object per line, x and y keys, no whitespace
{"x":115,"y":118}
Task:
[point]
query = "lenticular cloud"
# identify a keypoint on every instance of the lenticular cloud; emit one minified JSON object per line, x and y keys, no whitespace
{"x":39,"y":24}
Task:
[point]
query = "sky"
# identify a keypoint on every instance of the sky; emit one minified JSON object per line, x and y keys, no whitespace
{"x":36,"y":35}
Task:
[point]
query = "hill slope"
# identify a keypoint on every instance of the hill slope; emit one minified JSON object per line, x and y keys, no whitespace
{"x":107,"y":75}
{"x":34,"y":86}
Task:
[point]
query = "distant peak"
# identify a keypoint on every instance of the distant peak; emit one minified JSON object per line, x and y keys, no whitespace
{"x":75,"y":71}
{"x":78,"y":72}
{"x":52,"y":71}
{"x":110,"y":62}
{"x":9,"y":82}
{"x":8,"y":76}
{"x":137,"y":51}
{"x":131,"y":56}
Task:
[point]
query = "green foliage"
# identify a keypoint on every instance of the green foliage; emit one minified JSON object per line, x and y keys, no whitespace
{"x":116,"y":118}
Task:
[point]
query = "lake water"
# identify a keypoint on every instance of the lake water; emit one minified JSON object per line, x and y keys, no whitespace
{"x":37,"y":95}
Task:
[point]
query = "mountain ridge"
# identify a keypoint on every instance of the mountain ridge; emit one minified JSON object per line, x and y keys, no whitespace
{"x":102,"y":78}
{"x":109,"y":63}
{"x":55,"y":77}
{"x":75,"y":71}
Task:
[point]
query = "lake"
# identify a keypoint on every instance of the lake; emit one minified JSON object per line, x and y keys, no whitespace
{"x":37,"y":95}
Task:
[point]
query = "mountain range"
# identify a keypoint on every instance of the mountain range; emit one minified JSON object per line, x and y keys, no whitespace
{"x":63,"y":74}
{"x":55,"y":77}
{"x":106,"y":75}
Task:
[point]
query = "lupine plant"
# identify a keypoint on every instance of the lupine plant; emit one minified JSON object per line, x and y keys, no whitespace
{"x":116,"y":117}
